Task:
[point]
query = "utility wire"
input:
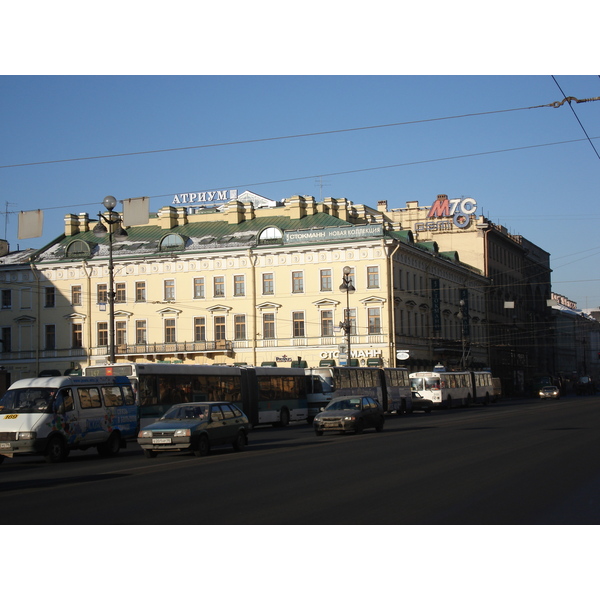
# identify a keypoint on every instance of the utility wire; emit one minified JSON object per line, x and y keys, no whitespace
{"x":569,"y":100}
{"x":300,"y":135}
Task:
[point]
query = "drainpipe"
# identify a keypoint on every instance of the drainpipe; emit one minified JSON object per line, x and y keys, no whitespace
{"x":36,"y":276}
{"x":88,"y":272}
{"x":253,"y":259}
{"x":392,"y":320}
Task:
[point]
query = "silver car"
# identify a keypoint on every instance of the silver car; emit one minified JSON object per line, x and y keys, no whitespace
{"x":350,"y":413}
{"x":550,"y":391}
{"x":195,"y":427}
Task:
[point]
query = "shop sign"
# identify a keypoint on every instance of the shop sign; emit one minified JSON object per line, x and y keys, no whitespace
{"x":328,"y":234}
{"x":354,"y":354}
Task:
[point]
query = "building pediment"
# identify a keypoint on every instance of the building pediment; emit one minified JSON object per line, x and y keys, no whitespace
{"x":326,"y":302}
{"x":268,"y":306}
{"x":373,"y":300}
{"x":168,"y":311}
{"x":218,"y":308}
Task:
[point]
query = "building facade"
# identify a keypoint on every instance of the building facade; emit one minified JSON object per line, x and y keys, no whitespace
{"x":249,"y":282}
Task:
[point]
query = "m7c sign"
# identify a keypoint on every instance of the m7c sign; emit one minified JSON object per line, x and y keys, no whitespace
{"x":459,"y":209}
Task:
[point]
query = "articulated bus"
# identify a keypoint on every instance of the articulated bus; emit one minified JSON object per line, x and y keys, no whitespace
{"x":389,"y":386}
{"x":447,"y":389}
{"x":268,"y":395}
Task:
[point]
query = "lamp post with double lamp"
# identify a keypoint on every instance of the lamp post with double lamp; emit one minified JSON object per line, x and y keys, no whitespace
{"x":115,"y":231}
{"x":347,"y":324}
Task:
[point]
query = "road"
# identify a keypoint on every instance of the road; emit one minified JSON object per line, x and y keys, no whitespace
{"x":517,"y":462}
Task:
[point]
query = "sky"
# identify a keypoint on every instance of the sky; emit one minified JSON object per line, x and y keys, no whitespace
{"x":398,"y":138}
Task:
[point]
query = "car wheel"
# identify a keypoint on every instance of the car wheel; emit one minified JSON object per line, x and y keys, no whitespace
{"x":360,"y":426}
{"x":202,"y":446}
{"x":1,"y":459}
{"x":318,"y":432}
{"x":55,"y":450}
{"x":240,"y":441}
{"x":150,"y":454}
{"x":379,"y":426}
{"x":111,"y":446}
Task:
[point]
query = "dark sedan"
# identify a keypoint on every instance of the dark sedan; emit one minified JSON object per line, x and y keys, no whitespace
{"x":350,"y":413}
{"x":195,"y":427}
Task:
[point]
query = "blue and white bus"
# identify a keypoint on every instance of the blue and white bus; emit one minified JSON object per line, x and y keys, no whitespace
{"x":268,"y":395}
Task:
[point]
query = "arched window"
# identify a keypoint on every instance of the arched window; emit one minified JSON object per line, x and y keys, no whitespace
{"x":172,"y":242}
{"x":270,"y":235}
{"x":78,"y":249}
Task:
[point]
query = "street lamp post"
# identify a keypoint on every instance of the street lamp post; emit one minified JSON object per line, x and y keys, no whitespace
{"x":113,"y":219}
{"x":461,"y":316}
{"x":347,"y":287}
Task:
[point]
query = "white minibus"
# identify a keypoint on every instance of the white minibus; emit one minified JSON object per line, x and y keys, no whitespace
{"x":53,"y":415}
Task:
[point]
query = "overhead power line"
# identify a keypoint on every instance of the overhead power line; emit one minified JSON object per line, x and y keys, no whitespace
{"x":296,"y":136}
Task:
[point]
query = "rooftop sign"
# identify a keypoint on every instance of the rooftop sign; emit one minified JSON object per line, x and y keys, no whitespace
{"x":457,"y":209}
{"x":202,"y":197}
{"x":330,"y":234}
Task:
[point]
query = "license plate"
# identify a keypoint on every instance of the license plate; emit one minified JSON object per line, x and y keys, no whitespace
{"x":161,"y":440}
{"x":331,"y":424}
{"x":4,"y":445}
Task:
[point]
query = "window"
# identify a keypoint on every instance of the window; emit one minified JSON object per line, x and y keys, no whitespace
{"x":102,"y":293}
{"x":140,"y":291}
{"x":199,"y":329}
{"x":220,"y":328}
{"x":374,"y":320}
{"x":76,"y":335}
{"x":238,"y":285}
{"x":326,"y":280}
{"x":76,"y":295}
{"x":89,"y":398}
{"x":219,"y":287}
{"x":50,"y":337}
{"x":171,"y":243}
{"x":239,"y":322}
{"x":169,"y":289}
{"x":49,"y":297}
{"x":372,"y":277}
{"x":102,"y":334}
{"x":6,"y":339}
{"x":140,"y":332}
{"x":120,"y":293}
{"x":6,"y":299}
{"x":120,"y":333}
{"x":170,"y":331}
{"x":326,"y":323}
{"x":268,"y":287}
{"x":298,"y":324}
{"x":78,"y":249}
{"x":269,"y":325}
{"x":271,"y":235}
{"x":199,"y":287}
{"x":350,"y":315}
{"x":297,"y":282}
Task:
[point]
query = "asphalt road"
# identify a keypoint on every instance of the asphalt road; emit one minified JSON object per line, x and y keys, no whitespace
{"x":517,"y":462}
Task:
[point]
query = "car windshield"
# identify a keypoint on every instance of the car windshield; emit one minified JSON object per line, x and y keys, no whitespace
{"x":28,"y":400}
{"x":347,"y":404}
{"x":186,"y":412}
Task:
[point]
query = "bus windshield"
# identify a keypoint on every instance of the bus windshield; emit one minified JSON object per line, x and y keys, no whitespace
{"x":28,"y":400}
{"x":419,"y":384}
{"x":322,"y":384}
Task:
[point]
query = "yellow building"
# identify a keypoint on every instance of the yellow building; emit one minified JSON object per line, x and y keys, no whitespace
{"x":250,"y":281}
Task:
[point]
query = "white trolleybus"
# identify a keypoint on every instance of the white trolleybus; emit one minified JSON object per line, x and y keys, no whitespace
{"x":268,"y":395}
{"x":389,"y":386}
{"x":448,"y":389}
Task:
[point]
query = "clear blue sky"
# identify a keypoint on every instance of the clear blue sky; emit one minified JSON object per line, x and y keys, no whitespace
{"x":548,"y":194}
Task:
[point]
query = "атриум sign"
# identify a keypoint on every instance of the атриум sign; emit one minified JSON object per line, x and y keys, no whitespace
{"x":200,"y":197}
{"x":457,"y":209}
